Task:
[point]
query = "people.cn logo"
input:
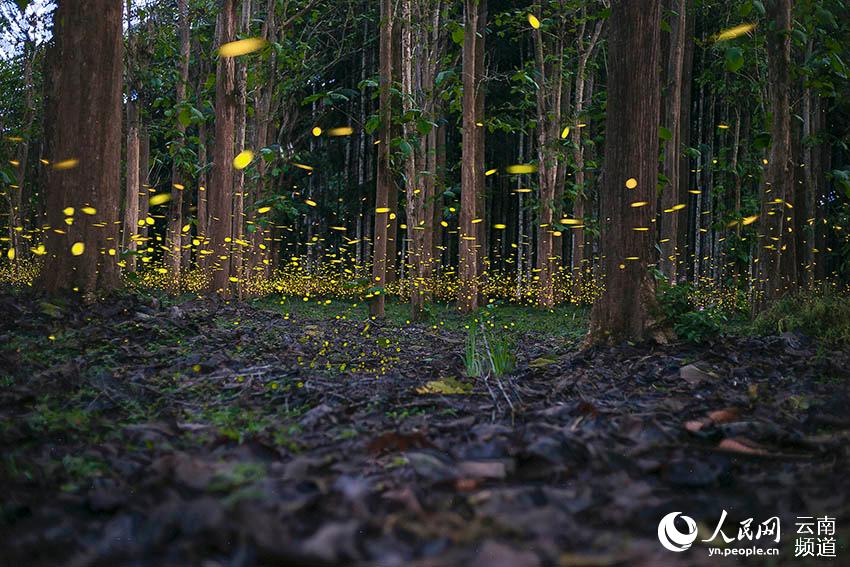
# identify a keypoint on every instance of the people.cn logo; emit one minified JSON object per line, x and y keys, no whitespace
{"x":671,"y":538}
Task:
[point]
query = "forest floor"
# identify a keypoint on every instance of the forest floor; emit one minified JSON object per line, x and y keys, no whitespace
{"x":161,"y":432}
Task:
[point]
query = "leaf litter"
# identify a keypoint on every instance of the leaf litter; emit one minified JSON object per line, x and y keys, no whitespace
{"x":212,"y":433}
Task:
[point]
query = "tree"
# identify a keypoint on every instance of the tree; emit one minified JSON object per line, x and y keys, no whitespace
{"x":174,"y":235}
{"x":382,"y":195}
{"x":129,"y":234}
{"x":777,"y":192}
{"x":549,"y":59}
{"x":671,"y":120}
{"x":220,"y":191}
{"x":583,"y":92}
{"x":472,"y":166}
{"x":84,"y":142}
{"x":420,"y":42}
{"x":624,"y":311}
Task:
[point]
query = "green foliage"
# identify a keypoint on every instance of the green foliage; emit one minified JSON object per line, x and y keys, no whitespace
{"x":691,"y":322}
{"x":472,"y":361}
{"x":822,"y":314}
{"x":501,"y":354}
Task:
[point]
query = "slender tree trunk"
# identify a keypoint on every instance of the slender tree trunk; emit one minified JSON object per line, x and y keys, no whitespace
{"x":129,"y":234}
{"x":625,"y":309}
{"x":550,"y":82}
{"x":174,"y":235}
{"x":584,"y":88}
{"x":238,"y":254}
{"x":472,"y":167}
{"x":220,"y":191}
{"x":144,"y":181}
{"x":780,"y":176}
{"x":382,"y":195}
{"x":85,"y":142}
{"x":19,"y":196}
{"x":671,"y":119}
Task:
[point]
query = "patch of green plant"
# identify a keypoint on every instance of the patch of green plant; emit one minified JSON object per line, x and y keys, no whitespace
{"x":820,"y":314}
{"x":46,"y":419}
{"x":690,"y":321}
{"x":79,"y":469}
{"x":473,"y":363}
{"x":237,"y":476}
{"x":502,"y":354}
{"x":494,"y":352}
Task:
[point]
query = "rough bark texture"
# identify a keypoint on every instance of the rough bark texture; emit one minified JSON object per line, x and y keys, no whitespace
{"x":86,"y":99}
{"x":220,"y":191}
{"x":379,"y":259}
{"x":549,"y":93}
{"x":625,"y":309}
{"x":129,"y":234}
{"x":671,"y":119}
{"x":174,"y":237}
{"x":472,"y":167}
{"x":583,"y":91}
{"x":779,"y":181}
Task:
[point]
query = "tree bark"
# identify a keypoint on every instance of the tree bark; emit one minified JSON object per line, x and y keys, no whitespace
{"x":174,"y":232}
{"x":625,"y":309}
{"x":220,"y":197}
{"x":85,"y":142}
{"x":382,"y":204}
{"x":779,"y":180}
{"x":472,"y":166}
{"x":671,"y":119}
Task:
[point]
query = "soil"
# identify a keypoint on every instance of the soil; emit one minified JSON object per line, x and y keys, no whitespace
{"x":135,"y":432}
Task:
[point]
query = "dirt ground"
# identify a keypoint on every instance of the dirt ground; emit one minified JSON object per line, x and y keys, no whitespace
{"x":135,"y":432}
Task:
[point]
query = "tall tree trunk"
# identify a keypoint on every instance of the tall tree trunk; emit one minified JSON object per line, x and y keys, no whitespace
{"x":174,"y":235}
{"x":779,"y":181}
{"x":85,"y":142}
{"x":625,"y":309}
{"x":238,"y":256}
{"x":144,"y":181}
{"x":19,"y":196}
{"x":472,"y":166}
{"x":382,"y":194}
{"x":220,"y":191}
{"x":671,"y":119}
{"x":583,"y":89}
{"x":550,"y":84}
{"x":129,"y":235}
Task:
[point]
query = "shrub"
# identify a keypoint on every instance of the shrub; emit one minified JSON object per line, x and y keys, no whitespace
{"x":821,"y":314}
{"x":692,"y":322}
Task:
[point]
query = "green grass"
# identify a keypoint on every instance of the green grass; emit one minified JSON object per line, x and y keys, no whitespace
{"x":821,"y":314}
{"x":566,"y":321}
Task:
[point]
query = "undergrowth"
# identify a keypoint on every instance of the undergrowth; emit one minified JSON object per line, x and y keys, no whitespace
{"x":822,"y":314}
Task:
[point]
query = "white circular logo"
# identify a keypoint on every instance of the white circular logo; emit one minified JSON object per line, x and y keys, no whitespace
{"x":671,"y":538}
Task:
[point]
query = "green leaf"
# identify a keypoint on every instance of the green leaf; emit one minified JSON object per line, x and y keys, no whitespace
{"x":185,"y":116}
{"x":443,"y":75}
{"x":734,"y":59}
{"x":372,"y":124}
{"x":22,"y":5}
{"x":665,"y":133}
{"x":758,"y":6}
{"x":423,"y":126}
{"x":457,"y":36}
{"x":762,"y":141}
